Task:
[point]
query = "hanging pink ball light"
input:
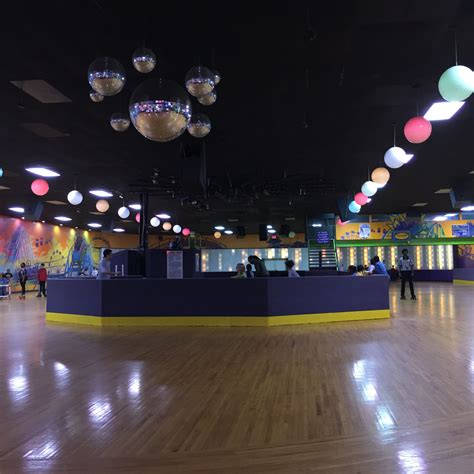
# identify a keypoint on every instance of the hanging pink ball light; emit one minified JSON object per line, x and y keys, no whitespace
{"x":137,"y":217}
{"x":361,"y":199}
{"x":40,"y":187}
{"x":340,"y":222}
{"x":417,"y":130}
{"x":186,"y":231}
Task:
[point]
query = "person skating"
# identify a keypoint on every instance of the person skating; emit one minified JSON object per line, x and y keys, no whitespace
{"x":405,"y":266}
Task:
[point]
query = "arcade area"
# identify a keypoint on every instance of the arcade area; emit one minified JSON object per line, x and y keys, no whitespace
{"x":237,"y":241}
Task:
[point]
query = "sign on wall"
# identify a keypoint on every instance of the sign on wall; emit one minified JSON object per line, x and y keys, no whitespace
{"x":174,"y":264}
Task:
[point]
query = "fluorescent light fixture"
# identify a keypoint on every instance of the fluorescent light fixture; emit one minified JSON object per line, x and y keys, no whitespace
{"x":370,"y":199}
{"x":57,"y":203}
{"x":408,"y":157}
{"x":440,"y":218}
{"x":44,"y":172}
{"x":467,"y":208}
{"x":63,"y":218}
{"x":443,"y":191}
{"x":20,"y":210}
{"x":269,"y":226}
{"x":271,"y":231}
{"x":316,"y":225}
{"x":471,"y":172}
{"x":419,"y":204}
{"x":442,"y":110}
{"x":94,"y":225}
{"x":101,"y":193}
{"x":228,"y":232}
{"x":137,"y":207}
{"x":381,"y":185}
{"x":219,"y":227}
{"x":451,"y":214}
{"x":118,"y":229}
{"x":163,"y":215}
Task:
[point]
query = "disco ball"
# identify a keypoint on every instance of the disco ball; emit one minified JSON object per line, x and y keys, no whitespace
{"x":160,"y":110}
{"x":217,"y":77}
{"x":119,"y":122}
{"x":95,"y":96}
{"x":208,"y":99}
{"x":144,"y":60}
{"x":199,"y":126}
{"x":199,"y":81}
{"x":106,"y":76}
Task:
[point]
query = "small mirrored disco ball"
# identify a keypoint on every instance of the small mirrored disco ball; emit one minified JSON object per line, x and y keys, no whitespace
{"x":95,"y":96}
{"x":106,"y":76}
{"x":199,"y":81}
{"x":199,"y":126}
{"x":160,"y":110}
{"x":208,"y":99}
{"x":217,"y":77}
{"x":119,"y":122}
{"x":144,"y":60}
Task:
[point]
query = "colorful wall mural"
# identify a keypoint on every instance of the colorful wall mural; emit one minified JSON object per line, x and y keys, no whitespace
{"x":64,"y":251}
{"x":464,"y":256}
{"x":401,"y":228}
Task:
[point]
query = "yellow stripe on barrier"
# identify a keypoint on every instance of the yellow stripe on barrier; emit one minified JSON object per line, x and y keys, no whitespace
{"x":226,"y":321}
{"x":463,"y":282}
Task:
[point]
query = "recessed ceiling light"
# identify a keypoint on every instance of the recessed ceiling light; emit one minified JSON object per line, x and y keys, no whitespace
{"x":233,"y":220}
{"x":20,"y":210}
{"x":23,"y":217}
{"x":96,"y":213}
{"x":3,"y":188}
{"x":451,"y":214}
{"x":443,"y":191}
{"x":118,"y":229}
{"x":59,"y":224}
{"x":467,"y":208}
{"x":316,"y":225}
{"x":228,"y":232}
{"x":42,"y":91}
{"x":100,"y":193}
{"x":271,"y":231}
{"x":269,"y":226}
{"x":43,"y":222}
{"x":137,"y":207}
{"x":219,"y":227}
{"x":440,"y":218}
{"x":63,"y":218}
{"x":163,"y":215}
{"x":442,"y":110}
{"x":44,"y":172}
{"x":471,"y":172}
{"x":289,"y":219}
{"x":94,"y":225}
{"x":419,"y":204}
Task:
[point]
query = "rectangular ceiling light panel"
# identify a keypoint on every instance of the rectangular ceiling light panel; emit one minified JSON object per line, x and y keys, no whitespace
{"x":442,"y":110}
{"x":443,"y":191}
{"x":43,"y":130}
{"x":419,"y":204}
{"x":42,"y":91}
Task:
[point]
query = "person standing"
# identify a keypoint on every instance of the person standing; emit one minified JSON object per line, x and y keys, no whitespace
{"x":9,"y":275}
{"x":290,"y":267}
{"x":259,"y":264}
{"x":42,"y":277}
{"x":22,"y":278}
{"x":405,"y":266}
{"x":104,"y":266}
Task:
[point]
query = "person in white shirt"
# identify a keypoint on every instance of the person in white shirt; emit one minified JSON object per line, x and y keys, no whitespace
{"x":405,"y":267}
{"x":290,"y":266}
{"x":104,"y":266}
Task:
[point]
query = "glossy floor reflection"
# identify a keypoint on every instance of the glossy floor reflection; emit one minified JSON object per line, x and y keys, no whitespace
{"x":375,"y":396}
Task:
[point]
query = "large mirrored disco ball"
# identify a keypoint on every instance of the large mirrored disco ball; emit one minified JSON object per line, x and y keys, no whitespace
{"x":106,"y":76}
{"x":208,"y":99}
{"x":199,"y":81}
{"x":199,"y":126}
{"x":144,"y":60}
{"x":120,"y":122}
{"x":160,"y":110}
{"x":95,"y":96}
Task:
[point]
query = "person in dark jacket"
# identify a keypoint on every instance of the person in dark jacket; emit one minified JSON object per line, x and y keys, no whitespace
{"x":22,"y":278}
{"x":249,"y":271}
{"x":260,"y":268}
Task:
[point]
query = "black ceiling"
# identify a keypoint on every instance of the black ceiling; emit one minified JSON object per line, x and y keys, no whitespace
{"x":277,"y":148}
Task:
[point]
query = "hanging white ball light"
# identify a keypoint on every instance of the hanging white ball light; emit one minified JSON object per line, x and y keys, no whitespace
{"x":369,"y":188}
{"x":395,"y":157}
{"x":124,"y":212}
{"x":75,"y":197}
{"x":176,"y":228}
{"x":155,"y":222}
{"x":354,"y":207}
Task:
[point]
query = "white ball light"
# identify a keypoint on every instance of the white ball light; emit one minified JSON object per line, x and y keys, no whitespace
{"x":369,"y":188}
{"x":176,"y":228}
{"x":75,"y":197}
{"x":155,"y":222}
{"x":395,"y":157}
{"x":354,"y":207}
{"x":124,"y":212}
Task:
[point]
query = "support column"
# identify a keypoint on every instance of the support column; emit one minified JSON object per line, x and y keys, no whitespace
{"x":143,"y":227}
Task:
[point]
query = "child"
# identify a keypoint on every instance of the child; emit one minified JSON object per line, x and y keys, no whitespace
{"x":22,"y":278}
{"x":42,"y":277}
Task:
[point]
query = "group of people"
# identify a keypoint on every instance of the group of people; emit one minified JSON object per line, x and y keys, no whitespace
{"x":247,"y":271}
{"x":42,"y":277}
{"x":376,"y":267}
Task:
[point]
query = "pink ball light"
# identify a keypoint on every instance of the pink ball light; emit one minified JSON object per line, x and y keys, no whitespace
{"x":186,"y":231}
{"x":340,"y":222}
{"x":137,"y":217}
{"x":361,"y":199}
{"x":39,"y":187}
{"x":417,"y":130}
